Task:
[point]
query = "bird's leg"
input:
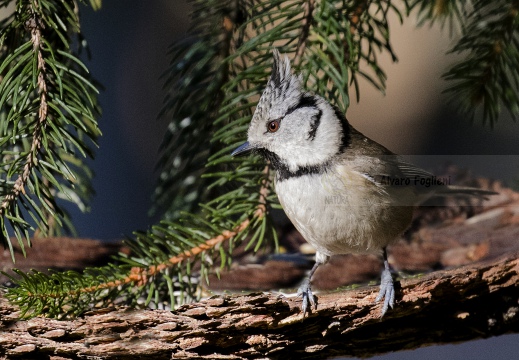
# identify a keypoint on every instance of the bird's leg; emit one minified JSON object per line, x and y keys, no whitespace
{"x":387,"y":288}
{"x":305,"y":291}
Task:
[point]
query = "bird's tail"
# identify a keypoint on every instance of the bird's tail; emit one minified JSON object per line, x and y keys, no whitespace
{"x":463,"y":191}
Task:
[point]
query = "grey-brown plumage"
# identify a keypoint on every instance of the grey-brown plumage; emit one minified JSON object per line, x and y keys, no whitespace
{"x":344,"y":192}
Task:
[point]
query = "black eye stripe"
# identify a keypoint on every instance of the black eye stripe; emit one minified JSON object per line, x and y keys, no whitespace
{"x":305,"y":100}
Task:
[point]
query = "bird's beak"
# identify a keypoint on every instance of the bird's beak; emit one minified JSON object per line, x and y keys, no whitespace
{"x":242,"y":149}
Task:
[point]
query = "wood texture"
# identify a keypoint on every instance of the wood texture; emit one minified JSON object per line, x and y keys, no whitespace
{"x":474,"y":301}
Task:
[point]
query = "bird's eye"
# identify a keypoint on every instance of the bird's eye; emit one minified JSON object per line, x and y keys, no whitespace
{"x":273,"y":126}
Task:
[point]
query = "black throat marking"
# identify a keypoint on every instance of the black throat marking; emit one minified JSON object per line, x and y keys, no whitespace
{"x":284,"y":173}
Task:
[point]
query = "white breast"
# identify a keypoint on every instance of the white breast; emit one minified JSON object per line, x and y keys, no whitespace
{"x":342,"y":211}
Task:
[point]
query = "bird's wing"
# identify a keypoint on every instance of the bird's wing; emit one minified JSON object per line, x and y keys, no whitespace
{"x":415,"y":173}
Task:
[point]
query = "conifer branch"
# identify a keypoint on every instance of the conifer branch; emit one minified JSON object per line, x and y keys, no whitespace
{"x":47,"y":120}
{"x":355,"y":17}
{"x":140,"y":276}
{"x":66,"y":293}
{"x":34,"y":25}
{"x":305,"y":31}
{"x":264,"y":192}
{"x":198,"y":73}
{"x":486,"y":79}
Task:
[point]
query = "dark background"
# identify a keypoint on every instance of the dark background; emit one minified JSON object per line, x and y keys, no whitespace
{"x":129,"y":41}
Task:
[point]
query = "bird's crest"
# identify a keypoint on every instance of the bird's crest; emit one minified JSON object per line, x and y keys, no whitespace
{"x":281,"y":79}
{"x":282,"y":88}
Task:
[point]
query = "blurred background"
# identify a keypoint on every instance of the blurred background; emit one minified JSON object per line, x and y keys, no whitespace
{"x":129,"y":42}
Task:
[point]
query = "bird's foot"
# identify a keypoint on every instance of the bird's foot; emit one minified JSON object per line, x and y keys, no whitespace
{"x":308,"y":297}
{"x":387,"y":291}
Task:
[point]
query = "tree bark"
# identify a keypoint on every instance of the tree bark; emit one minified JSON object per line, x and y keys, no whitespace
{"x":474,"y":301}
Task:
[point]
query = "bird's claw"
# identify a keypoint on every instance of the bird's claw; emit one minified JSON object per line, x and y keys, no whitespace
{"x":308,"y":297}
{"x":387,"y":291}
